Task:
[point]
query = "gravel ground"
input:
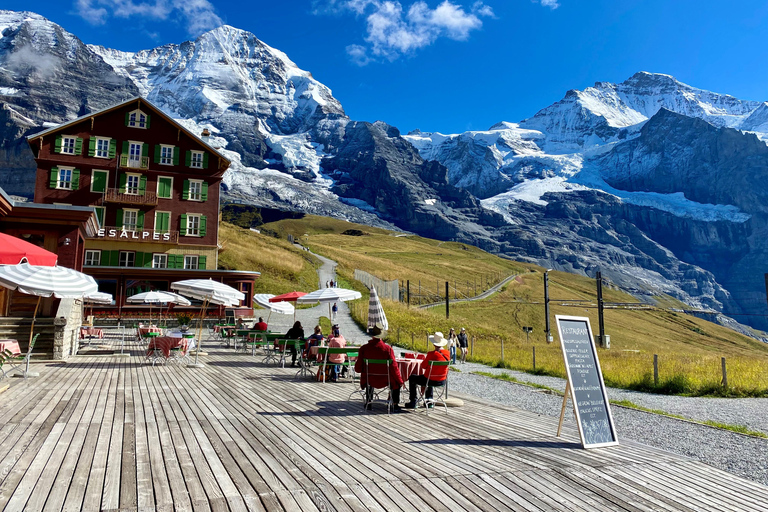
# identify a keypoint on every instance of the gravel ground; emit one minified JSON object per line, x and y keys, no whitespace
{"x":742,"y":455}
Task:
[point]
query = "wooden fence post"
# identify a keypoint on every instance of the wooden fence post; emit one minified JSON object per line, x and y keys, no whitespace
{"x":725,"y":374}
{"x":413,"y":345}
{"x":655,"y":369}
{"x":472,"y":347}
{"x":534,"y":358}
{"x":502,"y":351}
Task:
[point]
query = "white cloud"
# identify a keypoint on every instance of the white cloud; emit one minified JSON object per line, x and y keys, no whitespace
{"x":197,"y":15}
{"x":392,"y":31}
{"x":552,"y":4}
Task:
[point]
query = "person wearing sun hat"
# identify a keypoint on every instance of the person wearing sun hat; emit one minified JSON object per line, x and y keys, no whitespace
{"x":438,"y":375}
{"x":377,"y":349}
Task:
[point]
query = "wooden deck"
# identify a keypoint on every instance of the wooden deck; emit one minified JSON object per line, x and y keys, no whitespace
{"x":104,"y":433}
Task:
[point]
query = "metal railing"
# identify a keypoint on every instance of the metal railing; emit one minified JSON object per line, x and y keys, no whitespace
{"x":134,"y":162}
{"x":136,"y":235}
{"x":114,"y":195}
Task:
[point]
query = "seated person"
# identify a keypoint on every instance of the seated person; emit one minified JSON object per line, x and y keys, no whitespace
{"x":438,"y":375}
{"x":315,"y":340}
{"x":261,"y":325}
{"x":377,"y":349}
{"x":240,"y":325}
{"x":294,"y":333}
{"x":336,"y":341}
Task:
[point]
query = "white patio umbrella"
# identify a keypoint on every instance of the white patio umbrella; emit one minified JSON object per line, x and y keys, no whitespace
{"x":153,"y":297}
{"x":98,"y":298}
{"x":44,"y":281}
{"x":284,"y":308}
{"x":329,"y":295}
{"x":376,"y":314}
{"x":210,"y":292}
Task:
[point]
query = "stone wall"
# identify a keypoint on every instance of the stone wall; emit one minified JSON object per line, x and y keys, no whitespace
{"x":69,"y":318}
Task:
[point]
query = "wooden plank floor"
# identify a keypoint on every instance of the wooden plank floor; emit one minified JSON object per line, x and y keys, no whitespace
{"x":109,"y":433}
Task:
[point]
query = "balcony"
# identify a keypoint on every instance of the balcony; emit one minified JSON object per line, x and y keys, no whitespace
{"x":131,"y":162}
{"x":113,"y":195}
{"x":120,"y":234}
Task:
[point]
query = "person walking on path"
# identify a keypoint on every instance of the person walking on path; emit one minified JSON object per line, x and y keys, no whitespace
{"x":334,"y":310}
{"x":452,"y":343}
{"x":463,"y":344}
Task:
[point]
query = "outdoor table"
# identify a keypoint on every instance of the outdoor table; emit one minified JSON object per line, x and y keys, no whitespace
{"x":143,"y":331}
{"x":91,"y":332}
{"x":164,"y":345}
{"x":409,"y":367}
{"x":181,"y":334}
{"x":11,"y":345}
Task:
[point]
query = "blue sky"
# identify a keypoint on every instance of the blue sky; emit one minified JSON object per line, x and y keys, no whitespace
{"x":455,"y":65}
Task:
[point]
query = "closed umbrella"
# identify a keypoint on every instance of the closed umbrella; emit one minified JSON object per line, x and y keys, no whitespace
{"x":376,"y":314}
{"x":14,"y":250}
{"x":210,"y":292}
{"x":329,"y":295}
{"x":43,"y":281}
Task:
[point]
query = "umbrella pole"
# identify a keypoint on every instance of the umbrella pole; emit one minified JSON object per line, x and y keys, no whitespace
{"x":200,"y":331}
{"x":31,"y":334}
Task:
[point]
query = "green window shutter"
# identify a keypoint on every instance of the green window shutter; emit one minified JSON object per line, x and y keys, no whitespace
{"x":145,"y":150}
{"x":157,"y":153}
{"x":100,"y":212}
{"x":147,"y":259}
{"x":99,"y":181}
{"x":114,"y":258}
{"x":147,"y":121}
{"x":171,"y":261}
{"x":119,"y":218}
{"x":112,"y":148}
{"x":203,"y":222}
{"x":188,"y":158}
{"x":91,"y":147}
{"x":204,"y":194}
{"x":201,"y":262}
{"x":179,"y":261}
{"x":127,"y":118}
{"x":162,"y":221}
{"x":75,"y":179}
{"x":123,"y":182}
{"x":142,"y":185}
{"x":54,"y":177}
{"x":78,"y":146}
{"x":164,"y":187}
{"x":183,"y":225}
{"x":185,"y":190}
{"x":57,"y":145}
{"x":205,"y":160}
{"x":140,"y":220}
{"x":125,"y":147}
{"x":175,"y":156}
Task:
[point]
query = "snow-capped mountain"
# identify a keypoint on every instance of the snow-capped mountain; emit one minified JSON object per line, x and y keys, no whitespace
{"x":654,"y":182}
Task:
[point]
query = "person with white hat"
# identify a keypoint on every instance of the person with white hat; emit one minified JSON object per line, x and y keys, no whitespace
{"x":438,"y":375}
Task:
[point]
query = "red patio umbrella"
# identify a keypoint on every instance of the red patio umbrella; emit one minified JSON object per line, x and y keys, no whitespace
{"x":288,"y":297}
{"x":15,"y":250}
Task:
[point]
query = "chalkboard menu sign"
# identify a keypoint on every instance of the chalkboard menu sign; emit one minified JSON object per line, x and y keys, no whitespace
{"x":593,"y":413}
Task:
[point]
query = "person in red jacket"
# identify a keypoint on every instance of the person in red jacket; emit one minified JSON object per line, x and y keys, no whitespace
{"x":377,"y":349}
{"x":261,"y":325}
{"x":438,"y":375}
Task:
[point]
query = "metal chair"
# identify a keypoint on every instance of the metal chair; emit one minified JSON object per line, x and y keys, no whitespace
{"x":14,"y":361}
{"x":437,"y":396}
{"x":377,"y":368}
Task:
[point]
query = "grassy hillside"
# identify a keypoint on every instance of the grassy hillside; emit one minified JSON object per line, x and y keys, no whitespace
{"x":689,"y":348}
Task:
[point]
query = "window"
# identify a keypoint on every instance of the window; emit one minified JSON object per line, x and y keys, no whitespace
{"x":193,"y":225}
{"x":65,"y":178}
{"x":195,"y":190}
{"x":127,"y":258}
{"x":159,"y":261}
{"x":191,"y":262}
{"x":101,"y":211}
{"x":164,"y":187}
{"x":162,"y":221}
{"x":137,"y":119}
{"x":68,"y":145}
{"x":196,"y":159}
{"x":102,"y":148}
{"x":130,"y":220}
{"x":92,"y":258}
{"x":166,"y":155}
{"x":132,"y":183}
{"x":134,"y":154}
{"x":99,"y":180}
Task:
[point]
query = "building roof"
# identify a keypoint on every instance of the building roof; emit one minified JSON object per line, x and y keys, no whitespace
{"x":140,"y":99}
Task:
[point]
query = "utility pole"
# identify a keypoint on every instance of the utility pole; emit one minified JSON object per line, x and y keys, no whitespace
{"x":548,"y":334}
{"x":599,"y":279}
{"x":447,"y":297}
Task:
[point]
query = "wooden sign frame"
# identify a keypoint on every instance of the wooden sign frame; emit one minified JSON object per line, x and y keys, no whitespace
{"x":571,"y":391}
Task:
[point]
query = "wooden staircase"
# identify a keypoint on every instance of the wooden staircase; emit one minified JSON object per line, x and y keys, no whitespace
{"x":17,"y":328}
